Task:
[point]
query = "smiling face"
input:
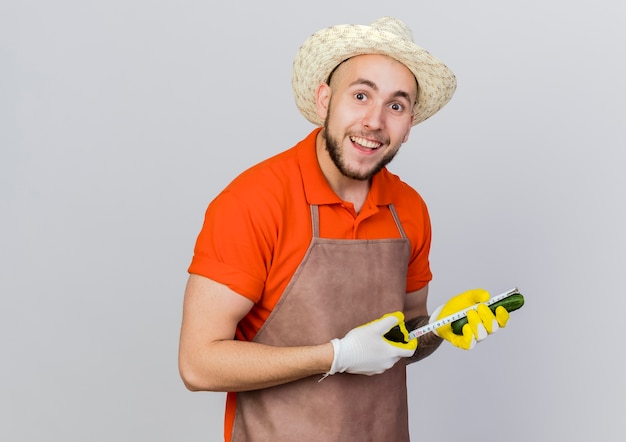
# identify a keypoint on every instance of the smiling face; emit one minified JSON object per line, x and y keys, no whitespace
{"x":368,"y":114}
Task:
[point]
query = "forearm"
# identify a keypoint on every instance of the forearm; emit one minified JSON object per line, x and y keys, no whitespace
{"x":230,"y":365}
{"x":209,"y":359}
{"x":427,"y":343}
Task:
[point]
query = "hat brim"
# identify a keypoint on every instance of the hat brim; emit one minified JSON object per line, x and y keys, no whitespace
{"x":323,"y":51}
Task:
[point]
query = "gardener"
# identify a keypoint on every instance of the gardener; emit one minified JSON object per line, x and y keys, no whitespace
{"x":306,"y":260}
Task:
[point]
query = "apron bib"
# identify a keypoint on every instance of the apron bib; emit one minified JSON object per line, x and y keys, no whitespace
{"x":339,"y":285}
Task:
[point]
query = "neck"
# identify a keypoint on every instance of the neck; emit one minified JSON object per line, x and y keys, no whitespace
{"x":348,"y":189}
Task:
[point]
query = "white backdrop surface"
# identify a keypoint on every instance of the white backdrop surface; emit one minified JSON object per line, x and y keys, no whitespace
{"x":121,"y":120}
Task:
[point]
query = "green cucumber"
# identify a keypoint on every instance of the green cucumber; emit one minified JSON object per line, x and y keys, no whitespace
{"x":510,"y":303}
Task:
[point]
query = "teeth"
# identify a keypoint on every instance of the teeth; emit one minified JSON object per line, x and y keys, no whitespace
{"x":365,"y":143}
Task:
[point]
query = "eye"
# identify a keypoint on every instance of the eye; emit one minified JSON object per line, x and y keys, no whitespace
{"x":397,"y":107}
{"x":360,"y":96}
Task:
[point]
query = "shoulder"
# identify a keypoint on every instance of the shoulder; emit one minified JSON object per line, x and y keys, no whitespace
{"x":279,"y":174}
{"x":269,"y":180}
{"x":409,"y":205}
{"x":261,"y":199}
{"x":276,"y":181}
{"x":398,"y":192}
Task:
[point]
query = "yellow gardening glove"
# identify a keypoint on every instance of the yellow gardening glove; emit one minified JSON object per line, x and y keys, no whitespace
{"x":481,"y":322}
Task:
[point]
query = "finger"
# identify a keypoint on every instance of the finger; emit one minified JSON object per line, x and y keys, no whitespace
{"x":408,"y":347}
{"x":468,"y":340}
{"x":398,"y":321}
{"x":502,"y":316}
{"x":476,"y":325}
{"x":488,"y":318}
{"x":390,"y":320}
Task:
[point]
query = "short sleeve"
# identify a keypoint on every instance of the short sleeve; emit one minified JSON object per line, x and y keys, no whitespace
{"x":232,"y":247}
{"x":419,"y":272}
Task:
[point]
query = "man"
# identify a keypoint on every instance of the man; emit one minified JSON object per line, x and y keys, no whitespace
{"x":307,"y":260}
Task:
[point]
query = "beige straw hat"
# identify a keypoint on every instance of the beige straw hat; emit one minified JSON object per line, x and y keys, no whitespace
{"x":327,"y":48}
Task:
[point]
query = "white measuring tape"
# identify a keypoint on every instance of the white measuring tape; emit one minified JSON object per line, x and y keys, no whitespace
{"x":458,"y":315}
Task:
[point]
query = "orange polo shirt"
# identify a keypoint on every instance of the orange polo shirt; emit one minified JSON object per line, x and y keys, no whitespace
{"x":257,"y":230}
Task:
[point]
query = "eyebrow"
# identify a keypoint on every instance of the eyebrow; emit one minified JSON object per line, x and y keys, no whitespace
{"x":366,"y":82}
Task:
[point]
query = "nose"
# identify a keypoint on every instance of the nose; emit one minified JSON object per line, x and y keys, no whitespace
{"x":373,"y":118}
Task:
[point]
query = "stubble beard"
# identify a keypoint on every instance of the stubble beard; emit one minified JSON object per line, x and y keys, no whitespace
{"x":334,"y":149}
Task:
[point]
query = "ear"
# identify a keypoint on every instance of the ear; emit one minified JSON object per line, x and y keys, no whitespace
{"x":322,"y":99}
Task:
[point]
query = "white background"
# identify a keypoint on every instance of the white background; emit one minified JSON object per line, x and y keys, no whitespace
{"x":121,"y":120}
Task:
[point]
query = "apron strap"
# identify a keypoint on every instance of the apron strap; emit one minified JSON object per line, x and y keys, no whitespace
{"x":315,"y":220}
{"x":396,"y":218}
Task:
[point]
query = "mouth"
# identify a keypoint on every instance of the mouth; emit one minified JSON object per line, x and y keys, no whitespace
{"x":365,"y":143}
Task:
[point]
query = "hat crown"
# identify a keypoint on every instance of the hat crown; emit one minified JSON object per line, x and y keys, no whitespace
{"x":393,"y":25}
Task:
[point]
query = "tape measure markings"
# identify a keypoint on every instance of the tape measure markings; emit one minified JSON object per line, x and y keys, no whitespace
{"x":458,"y":315}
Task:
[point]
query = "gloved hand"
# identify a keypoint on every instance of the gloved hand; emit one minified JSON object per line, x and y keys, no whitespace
{"x":481,"y":322}
{"x":365,"y":349}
